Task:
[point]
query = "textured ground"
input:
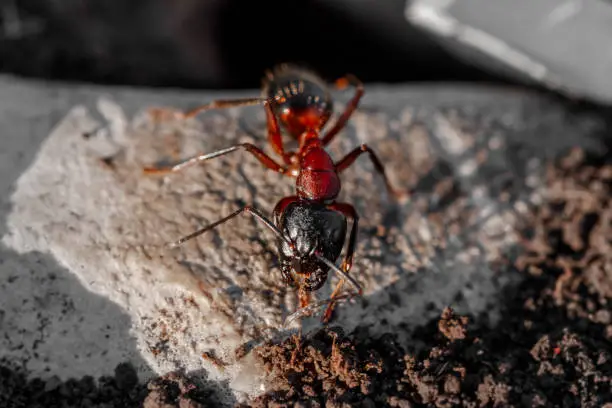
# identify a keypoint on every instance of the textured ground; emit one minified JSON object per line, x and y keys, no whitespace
{"x":87,"y":283}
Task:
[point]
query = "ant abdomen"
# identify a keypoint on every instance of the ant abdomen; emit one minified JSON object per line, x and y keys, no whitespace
{"x":301,"y":100}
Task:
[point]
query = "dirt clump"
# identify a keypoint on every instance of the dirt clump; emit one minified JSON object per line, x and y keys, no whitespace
{"x":452,"y":326}
{"x":326,"y":366}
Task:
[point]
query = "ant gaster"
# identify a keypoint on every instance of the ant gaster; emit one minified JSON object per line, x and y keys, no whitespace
{"x":310,"y":226}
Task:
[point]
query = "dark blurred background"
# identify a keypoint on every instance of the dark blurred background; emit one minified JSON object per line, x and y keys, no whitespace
{"x":219,"y":43}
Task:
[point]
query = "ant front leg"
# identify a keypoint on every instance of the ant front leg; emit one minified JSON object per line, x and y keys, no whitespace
{"x":350,"y":158}
{"x":263,"y":158}
{"x":350,"y":108}
{"x":349,"y":211}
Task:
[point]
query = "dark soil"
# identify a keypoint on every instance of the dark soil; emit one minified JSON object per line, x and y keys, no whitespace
{"x":120,"y":390}
{"x":552,"y":347}
{"x":176,"y":390}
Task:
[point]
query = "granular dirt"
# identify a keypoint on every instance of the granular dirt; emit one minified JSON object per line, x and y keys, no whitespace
{"x":552,"y":347}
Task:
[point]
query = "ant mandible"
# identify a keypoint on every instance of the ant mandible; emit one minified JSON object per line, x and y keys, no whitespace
{"x":310,"y":226}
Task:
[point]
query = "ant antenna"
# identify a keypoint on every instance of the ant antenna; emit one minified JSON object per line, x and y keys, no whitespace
{"x":306,"y":310}
{"x":340,"y":272}
{"x":251,"y":210}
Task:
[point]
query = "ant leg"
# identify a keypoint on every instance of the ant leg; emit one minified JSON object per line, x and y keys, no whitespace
{"x":349,"y":211}
{"x":249,"y":209}
{"x":160,"y":114}
{"x":263,"y":158}
{"x":306,"y":311}
{"x":223,"y":104}
{"x":350,"y":108}
{"x":350,"y":158}
{"x":274,"y":133}
{"x":306,"y":307}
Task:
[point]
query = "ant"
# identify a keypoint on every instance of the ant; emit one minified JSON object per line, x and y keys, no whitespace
{"x":310,"y":226}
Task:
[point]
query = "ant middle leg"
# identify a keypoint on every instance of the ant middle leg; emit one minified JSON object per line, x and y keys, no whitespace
{"x":350,"y":107}
{"x":350,"y":158}
{"x":349,"y":211}
{"x":263,"y":158}
{"x":274,"y":132}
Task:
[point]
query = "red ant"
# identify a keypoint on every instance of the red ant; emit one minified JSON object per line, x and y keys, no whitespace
{"x":310,"y":226}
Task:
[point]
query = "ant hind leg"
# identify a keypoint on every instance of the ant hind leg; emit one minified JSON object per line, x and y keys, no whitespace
{"x":350,"y":158}
{"x":161,"y":114}
{"x":263,"y":158}
{"x":350,"y":107}
{"x":274,"y":134}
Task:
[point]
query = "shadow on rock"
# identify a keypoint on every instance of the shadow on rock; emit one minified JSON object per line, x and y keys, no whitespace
{"x":52,"y":328}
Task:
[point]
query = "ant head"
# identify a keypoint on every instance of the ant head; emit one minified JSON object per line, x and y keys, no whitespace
{"x":312,"y":229}
{"x":301,"y":100}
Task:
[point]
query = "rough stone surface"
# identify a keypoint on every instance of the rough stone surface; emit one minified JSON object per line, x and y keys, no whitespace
{"x":83,"y":248}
